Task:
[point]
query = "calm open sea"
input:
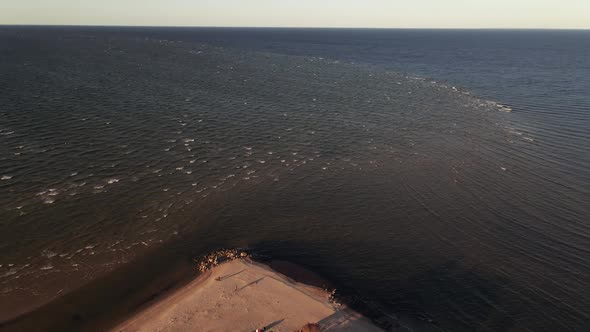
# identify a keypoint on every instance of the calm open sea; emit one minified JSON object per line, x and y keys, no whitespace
{"x":439,"y":173}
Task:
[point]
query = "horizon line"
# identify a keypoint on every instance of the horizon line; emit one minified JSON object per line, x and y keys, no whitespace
{"x":282,"y":27}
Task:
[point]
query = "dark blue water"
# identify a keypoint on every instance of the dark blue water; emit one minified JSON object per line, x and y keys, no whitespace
{"x":439,"y":173}
{"x":545,"y":73}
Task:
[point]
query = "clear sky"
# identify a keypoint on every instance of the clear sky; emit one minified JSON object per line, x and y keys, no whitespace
{"x":303,"y":13}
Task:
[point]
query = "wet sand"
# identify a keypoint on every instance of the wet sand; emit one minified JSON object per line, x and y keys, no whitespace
{"x":243,"y":295}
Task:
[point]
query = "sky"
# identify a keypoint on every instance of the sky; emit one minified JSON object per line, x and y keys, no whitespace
{"x":549,"y":14}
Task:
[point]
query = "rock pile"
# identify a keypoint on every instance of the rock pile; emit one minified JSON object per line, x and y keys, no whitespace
{"x":217,"y":257}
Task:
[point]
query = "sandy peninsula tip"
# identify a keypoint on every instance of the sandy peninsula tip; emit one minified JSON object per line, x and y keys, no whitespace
{"x":242,"y":295}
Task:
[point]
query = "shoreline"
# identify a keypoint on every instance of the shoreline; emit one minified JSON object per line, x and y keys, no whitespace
{"x":243,"y":295}
{"x":109,"y":299}
{"x":122,"y":297}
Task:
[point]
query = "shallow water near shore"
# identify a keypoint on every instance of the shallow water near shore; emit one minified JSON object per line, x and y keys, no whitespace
{"x":419,"y":195}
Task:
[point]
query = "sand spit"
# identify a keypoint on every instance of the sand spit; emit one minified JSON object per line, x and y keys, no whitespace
{"x":242,"y":295}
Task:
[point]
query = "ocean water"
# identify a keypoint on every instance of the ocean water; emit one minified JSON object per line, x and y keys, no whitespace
{"x":442,"y":174}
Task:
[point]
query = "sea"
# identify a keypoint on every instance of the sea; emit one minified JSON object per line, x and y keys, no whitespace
{"x":439,"y":175}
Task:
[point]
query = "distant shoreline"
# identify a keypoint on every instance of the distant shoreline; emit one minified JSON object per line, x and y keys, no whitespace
{"x":285,"y":27}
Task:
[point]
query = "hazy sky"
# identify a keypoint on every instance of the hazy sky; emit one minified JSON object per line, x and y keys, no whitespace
{"x":303,"y":13}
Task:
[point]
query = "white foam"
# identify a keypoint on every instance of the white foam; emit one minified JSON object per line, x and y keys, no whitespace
{"x":46,"y":267}
{"x":9,"y":273}
{"x":48,"y":253}
{"x":515,"y":132}
{"x":112,"y":180}
{"x":6,"y":177}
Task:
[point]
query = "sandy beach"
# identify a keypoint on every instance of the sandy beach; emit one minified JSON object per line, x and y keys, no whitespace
{"x":242,"y":295}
